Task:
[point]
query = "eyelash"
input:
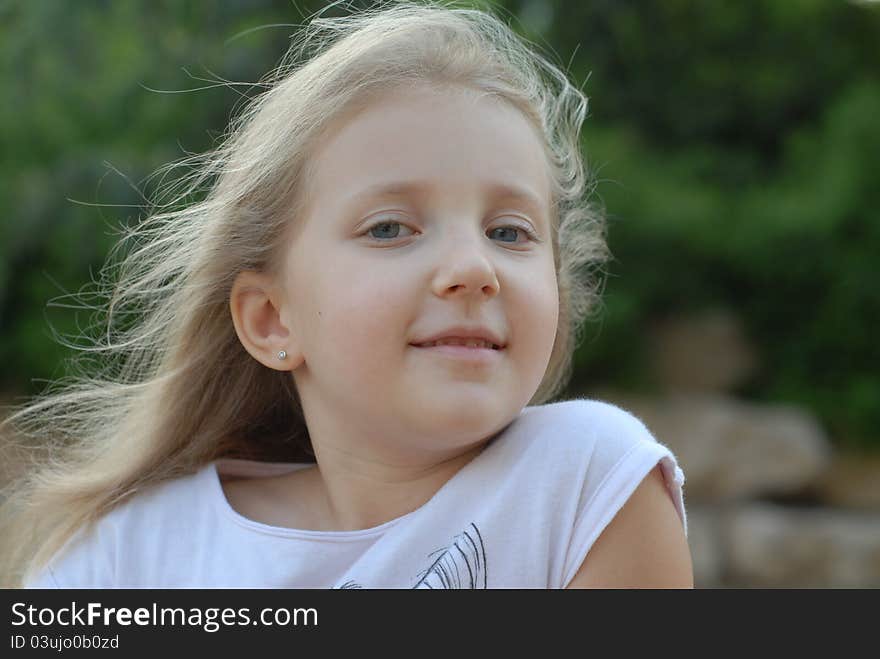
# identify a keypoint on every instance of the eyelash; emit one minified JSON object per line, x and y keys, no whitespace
{"x":530,"y":235}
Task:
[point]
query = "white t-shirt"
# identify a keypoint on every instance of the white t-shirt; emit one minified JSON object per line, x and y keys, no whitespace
{"x":522,"y":514}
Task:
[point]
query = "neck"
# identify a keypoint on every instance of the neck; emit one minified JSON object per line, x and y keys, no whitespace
{"x":356,"y":493}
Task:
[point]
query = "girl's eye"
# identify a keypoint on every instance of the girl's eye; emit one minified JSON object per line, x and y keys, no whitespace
{"x":386,"y":230}
{"x":512,"y":228}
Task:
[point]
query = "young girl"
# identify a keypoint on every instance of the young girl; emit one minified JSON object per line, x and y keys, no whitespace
{"x":343,"y":356}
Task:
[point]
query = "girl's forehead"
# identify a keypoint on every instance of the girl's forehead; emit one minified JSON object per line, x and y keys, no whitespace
{"x":412,"y":141}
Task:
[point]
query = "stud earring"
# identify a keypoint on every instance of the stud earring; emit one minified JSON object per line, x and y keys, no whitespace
{"x":282,"y":354}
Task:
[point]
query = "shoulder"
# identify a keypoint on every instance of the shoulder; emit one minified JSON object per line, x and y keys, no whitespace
{"x":134,"y":528}
{"x":597,"y":447}
{"x":176,"y":502}
{"x":596,"y":430}
{"x":644,"y":545}
{"x":595,"y":436}
{"x":630,"y":523}
{"x":587,"y":416}
{"x":633,"y":524}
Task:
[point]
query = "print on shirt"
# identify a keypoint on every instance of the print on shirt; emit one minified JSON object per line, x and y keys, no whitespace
{"x":461,"y":565}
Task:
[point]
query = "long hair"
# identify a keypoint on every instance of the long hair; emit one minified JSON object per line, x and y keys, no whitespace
{"x":165,"y":386}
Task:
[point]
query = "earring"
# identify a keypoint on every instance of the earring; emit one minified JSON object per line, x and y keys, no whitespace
{"x":282,"y":354}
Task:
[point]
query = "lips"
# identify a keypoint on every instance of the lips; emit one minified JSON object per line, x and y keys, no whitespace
{"x":474,"y":336}
{"x":462,"y":342}
{"x":463,"y":354}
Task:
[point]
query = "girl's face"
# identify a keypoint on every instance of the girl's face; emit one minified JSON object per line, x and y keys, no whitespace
{"x":371,"y":272}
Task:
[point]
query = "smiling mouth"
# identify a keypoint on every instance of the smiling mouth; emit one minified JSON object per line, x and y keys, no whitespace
{"x":479,"y":354}
{"x":483,"y":345}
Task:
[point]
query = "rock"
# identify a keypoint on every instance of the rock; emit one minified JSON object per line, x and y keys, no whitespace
{"x":771,"y":546}
{"x":707,"y":352}
{"x":851,"y":481}
{"x":732,"y":450}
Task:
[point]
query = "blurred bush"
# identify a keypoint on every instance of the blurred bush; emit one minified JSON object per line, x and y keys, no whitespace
{"x":735,"y":147}
{"x":737,"y":150}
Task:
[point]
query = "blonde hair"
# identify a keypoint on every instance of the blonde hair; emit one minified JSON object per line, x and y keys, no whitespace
{"x":168,"y":386}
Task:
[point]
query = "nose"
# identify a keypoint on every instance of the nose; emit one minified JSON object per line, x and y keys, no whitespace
{"x":465,"y":270}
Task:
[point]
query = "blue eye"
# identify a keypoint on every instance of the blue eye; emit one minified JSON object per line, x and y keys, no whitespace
{"x":385,"y":234}
{"x":528,"y":234}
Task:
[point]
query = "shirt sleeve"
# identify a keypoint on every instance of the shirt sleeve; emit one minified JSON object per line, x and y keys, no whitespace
{"x":623,"y":459}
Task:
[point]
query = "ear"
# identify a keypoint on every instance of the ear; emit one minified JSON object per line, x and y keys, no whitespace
{"x":258,"y":313}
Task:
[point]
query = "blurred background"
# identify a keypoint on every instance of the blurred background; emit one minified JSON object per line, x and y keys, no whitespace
{"x":736,"y":148}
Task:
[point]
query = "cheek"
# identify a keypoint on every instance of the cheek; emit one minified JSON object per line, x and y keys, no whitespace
{"x":537,"y":305}
{"x":363,"y":321}
{"x":537,"y":323}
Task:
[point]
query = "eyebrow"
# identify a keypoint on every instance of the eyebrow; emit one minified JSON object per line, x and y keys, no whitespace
{"x":496,"y":188}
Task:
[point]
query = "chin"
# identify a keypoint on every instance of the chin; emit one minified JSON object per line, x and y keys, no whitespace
{"x":462,"y":415}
